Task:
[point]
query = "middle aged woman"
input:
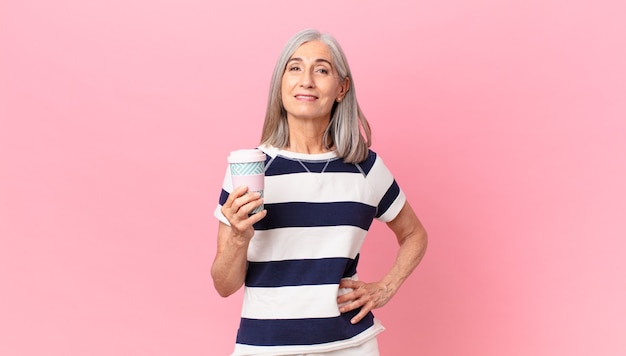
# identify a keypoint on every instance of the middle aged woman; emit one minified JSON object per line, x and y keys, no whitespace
{"x":323,"y":189}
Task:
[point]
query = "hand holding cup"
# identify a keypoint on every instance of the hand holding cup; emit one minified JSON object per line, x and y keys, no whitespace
{"x":244,"y":206}
{"x":247,"y":167}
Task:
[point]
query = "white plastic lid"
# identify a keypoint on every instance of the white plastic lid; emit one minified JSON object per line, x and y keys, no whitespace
{"x":244,"y":156}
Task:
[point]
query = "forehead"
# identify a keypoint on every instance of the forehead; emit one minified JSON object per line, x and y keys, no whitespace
{"x":312,"y":51}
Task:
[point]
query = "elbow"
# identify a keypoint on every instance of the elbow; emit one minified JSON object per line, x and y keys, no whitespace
{"x":222,"y":287}
{"x":423,"y":240}
{"x":416,"y":237}
{"x":223,"y":293}
{"x":423,"y":244}
{"x":223,"y":290}
{"x":419,"y":242}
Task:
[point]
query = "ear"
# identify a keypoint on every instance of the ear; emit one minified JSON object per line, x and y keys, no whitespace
{"x":343,"y":88}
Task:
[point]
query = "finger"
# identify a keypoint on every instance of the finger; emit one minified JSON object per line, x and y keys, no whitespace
{"x":243,"y":225}
{"x":241,"y":200}
{"x":344,"y":298}
{"x":236,"y":193}
{"x":345,"y":283}
{"x":350,"y":283}
{"x":246,"y":204}
{"x":351,"y":305}
{"x":352,"y":294}
{"x":249,"y":206}
{"x":233,"y":202}
{"x":366,"y":309}
{"x":246,"y":198}
{"x":353,"y":300}
{"x":347,"y":297}
{"x":256,"y":217}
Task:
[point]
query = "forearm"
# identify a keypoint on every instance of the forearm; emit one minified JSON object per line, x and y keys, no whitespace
{"x":413,"y":239}
{"x":411,"y":251}
{"x":230,"y":264}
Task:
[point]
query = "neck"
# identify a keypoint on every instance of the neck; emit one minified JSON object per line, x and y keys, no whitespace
{"x":307,"y":136}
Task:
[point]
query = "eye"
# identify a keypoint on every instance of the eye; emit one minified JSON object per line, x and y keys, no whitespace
{"x":322,"y":70}
{"x":293,"y":68}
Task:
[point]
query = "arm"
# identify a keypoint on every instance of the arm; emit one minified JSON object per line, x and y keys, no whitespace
{"x":412,"y":239}
{"x":229,"y":266}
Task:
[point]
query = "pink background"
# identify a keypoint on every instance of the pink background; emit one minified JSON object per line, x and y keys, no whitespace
{"x":504,"y":122}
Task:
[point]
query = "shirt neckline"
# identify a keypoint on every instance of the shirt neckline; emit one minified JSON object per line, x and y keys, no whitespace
{"x":273,"y":151}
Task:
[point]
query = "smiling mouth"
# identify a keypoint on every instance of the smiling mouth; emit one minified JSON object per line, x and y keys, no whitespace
{"x":305,"y":97}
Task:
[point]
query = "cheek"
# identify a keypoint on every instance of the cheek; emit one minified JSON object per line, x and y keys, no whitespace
{"x":285,"y":88}
{"x":333,"y":89}
{"x":288,"y":81}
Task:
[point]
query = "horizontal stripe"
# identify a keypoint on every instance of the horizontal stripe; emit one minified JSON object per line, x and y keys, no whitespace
{"x":306,"y":242}
{"x":326,"y":187}
{"x":291,"y":302}
{"x":301,"y":214}
{"x":301,"y":331}
{"x":299,"y":272}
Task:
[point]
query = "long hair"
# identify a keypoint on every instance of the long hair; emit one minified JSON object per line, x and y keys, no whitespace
{"x":348,"y":129}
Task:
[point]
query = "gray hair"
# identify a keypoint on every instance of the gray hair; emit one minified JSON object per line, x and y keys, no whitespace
{"x":348,"y":129}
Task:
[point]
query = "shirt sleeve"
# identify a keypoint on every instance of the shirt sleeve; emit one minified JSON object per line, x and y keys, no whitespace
{"x":227,"y":188}
{"x":386,"y":191}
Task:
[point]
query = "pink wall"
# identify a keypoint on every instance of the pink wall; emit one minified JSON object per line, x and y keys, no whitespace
{"x":502,"y":120}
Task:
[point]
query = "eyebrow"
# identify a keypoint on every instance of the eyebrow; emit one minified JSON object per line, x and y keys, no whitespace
{"x":318,"y":60}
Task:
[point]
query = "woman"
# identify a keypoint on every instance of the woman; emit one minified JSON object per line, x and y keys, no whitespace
{"x":323,"y":188}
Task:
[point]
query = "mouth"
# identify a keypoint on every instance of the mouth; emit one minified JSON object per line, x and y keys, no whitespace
{"x":305,"y":97}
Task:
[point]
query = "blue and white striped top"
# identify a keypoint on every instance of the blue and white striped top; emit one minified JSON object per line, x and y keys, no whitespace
{"x":319,"y":210}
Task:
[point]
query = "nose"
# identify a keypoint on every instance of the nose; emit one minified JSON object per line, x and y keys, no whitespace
{"x":306,"y":80}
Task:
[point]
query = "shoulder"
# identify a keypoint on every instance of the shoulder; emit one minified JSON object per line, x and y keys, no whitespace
{"x":269,"y":150}
{"x":368,"y":163}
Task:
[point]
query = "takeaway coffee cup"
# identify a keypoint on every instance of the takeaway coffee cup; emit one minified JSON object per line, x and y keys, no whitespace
{"x":247,"y":168}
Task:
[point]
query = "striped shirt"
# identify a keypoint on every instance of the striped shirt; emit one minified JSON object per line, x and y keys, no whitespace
{"x":319,"y":210}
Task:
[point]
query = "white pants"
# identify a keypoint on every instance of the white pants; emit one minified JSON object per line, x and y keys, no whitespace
{"x":368,"y":348}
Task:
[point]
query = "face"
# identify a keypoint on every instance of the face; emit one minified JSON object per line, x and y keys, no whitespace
{"x":310,"y":83}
